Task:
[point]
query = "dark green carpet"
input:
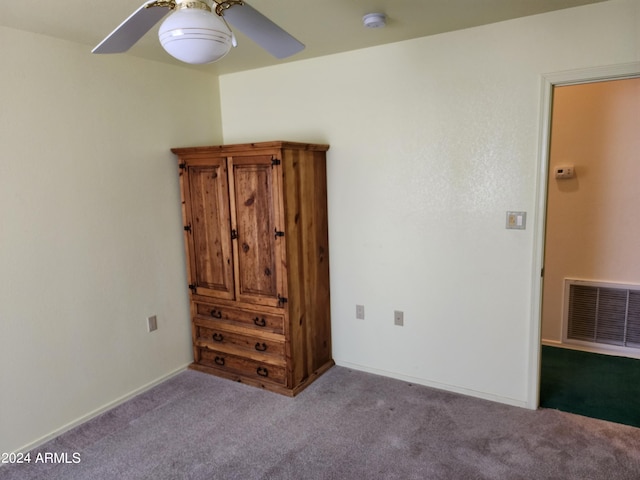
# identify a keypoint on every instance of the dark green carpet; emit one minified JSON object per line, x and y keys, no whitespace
{"x":589,"y":384}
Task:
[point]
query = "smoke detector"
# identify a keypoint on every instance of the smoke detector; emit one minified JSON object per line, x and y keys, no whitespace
{"x":374,"y":20}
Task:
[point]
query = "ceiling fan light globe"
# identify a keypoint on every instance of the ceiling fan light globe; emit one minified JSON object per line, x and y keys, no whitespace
{"x":195,"y":36}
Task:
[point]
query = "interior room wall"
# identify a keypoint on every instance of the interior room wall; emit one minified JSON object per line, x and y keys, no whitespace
{"x":432,"y":141}
{"x":90,"y":228}
{"x":592,"y":226}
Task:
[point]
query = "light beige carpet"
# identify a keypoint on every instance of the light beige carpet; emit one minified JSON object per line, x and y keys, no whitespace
{"x":347,"y":425}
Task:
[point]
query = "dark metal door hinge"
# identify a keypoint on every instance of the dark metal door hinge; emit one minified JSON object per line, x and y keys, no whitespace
{"x":275,"y":161}
{"x":234,"y":234}
{"x":182,"y":166}
{"x":282,"y":300}
{"x":279,"y":234}
{"x":187,"y":228}
{"x":192,"y":287}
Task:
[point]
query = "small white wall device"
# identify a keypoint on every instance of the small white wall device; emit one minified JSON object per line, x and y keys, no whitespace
{"x":565,"y":171}
{"x":374,"y":20}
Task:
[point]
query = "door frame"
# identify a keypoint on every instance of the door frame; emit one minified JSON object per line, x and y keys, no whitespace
{"x":548,"y":81}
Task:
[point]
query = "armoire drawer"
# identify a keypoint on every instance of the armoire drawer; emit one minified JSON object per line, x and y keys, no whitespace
{"x":217,"y":335}
{"x":258,"y":320}
{"x":242,"y":366}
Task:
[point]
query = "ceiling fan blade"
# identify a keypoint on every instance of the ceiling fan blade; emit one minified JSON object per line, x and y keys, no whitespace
{"x":263,"y":31}
{"x":132,"y":29}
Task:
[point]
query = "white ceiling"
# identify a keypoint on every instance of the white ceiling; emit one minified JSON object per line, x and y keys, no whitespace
{"x":324,"y":26}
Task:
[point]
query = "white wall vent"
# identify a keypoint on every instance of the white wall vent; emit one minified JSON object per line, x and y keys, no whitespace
{"x":607,"y":314}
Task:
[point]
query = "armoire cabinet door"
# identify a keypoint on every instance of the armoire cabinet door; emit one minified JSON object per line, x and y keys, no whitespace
{"x":209,"y":229}
{"x":257,"y":218}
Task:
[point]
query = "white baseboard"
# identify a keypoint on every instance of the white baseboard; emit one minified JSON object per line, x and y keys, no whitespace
{"x":440,"y":386}
{"x":100,"y":410}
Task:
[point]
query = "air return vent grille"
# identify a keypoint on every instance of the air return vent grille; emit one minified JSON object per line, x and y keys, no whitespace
{"x":602,"y":313}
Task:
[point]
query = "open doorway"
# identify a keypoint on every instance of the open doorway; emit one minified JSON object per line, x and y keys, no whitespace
{"x":591,"y":252}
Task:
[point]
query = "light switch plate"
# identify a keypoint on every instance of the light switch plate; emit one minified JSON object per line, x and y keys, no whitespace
{"x":516,"y":220}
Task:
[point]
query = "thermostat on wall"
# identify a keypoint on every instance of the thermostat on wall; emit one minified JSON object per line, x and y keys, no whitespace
{"x":565,"y":171}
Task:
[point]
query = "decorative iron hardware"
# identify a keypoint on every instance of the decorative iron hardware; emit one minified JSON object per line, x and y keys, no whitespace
{"x":279,"y":234}
{"x":275,"y":161}
{"x":261,"y":347}
{"x":216,"y":313}
{"x":263,"y":372}
{"x":187,"y":228}
{"x":260,"y":322}
{"x":219,"y":361}
{"x":234,"y":234}
{"x":282,"y":300}
{"x":217,"y":337}
{"x":192,"y":287}
{"x":182,"y":166}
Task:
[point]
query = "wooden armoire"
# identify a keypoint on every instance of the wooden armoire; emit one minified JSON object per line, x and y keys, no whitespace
{"x":255,"y":230}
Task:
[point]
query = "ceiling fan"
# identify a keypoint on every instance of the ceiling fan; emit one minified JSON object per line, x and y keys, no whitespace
{"x":198,"y":32}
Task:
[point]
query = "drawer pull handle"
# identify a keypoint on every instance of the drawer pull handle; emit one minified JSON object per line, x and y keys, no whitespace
{"x":261,"y":347}
{"x":260,"y":322}
{"x":263,"y":372}
{"x":217,"y":337}
{"x":216,"y":313}
{"x":219,"y":361}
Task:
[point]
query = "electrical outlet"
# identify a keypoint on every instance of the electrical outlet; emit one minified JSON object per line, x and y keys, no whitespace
{"x":360,"y":312}
{"x":152,"y":323}
{"x":398,"y":318}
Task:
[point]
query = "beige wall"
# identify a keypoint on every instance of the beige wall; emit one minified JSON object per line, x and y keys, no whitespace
{"x":593,"y":224}
{"x":432,"y":141}
{"x":90,"y":229}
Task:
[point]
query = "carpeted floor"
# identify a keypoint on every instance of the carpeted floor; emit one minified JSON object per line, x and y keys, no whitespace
{"x":591,"y":384}
{"x":347,"y":425}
